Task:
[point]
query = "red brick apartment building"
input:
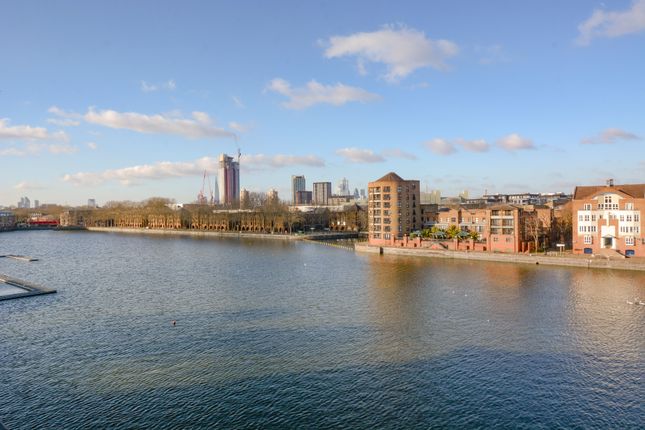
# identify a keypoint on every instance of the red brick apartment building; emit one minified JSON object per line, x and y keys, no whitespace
{"x":608,"y":217}
{"x":394,"y":208}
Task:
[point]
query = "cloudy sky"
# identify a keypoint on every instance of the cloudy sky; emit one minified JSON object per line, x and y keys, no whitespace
{"x":126,"y":100}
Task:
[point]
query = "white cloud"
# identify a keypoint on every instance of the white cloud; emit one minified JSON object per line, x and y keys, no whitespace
{"x":612,"y":24}
{"x":63,"y":122}
{"x":65,"y":118}
{"x":169,"y":85}
{"x":168,"y":169}
{"x":200,"y":126}
{"x":259,"y":161}
{"x":92,"y":145}
{"x":477,"y":145}
{"x":403,"y":50}
{"x":27,"y":132}
{"x":24,"y":186}
{"x":398,"y":153}
{"x":357,"y":155}
{"x":240,"y":128}
{"x":491,"y":54}
{"x":62,"y":149}
{"x":610,"y":136}
{"x":514,"y":142}
{"x":440,"y":146}
{"x":315,"y":93}
{"x":238,"y":102}
{"x":30,"y":149}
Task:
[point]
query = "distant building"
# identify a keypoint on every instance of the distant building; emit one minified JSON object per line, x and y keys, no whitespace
{"x":24,"y":203}
{"x":303,"y":197}
{"x":297,"y":184}
{"x":363,"y":195}
{"x":7,"y":219}
{"x":245,"y":199}
{"x":608,"y":217}
{"x":357,"y":196}
{"x":228,"y":180}
{"x":343,"y":188}
{"x":336,"y":200}
{"x":464,"y":194}
{"x":321,"y":193}
{"x":394,"y":208}
{"x":36,"y":204}
{"x":433,"y":197}
{"x":272,"y":197}
{"x":91,"y":203}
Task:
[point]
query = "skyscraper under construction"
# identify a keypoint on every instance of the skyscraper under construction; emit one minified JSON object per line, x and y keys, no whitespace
{"x":229,"y":180}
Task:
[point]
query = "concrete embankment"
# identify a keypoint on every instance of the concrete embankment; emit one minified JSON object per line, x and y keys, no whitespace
{"x":193,"y":233}
{"x":572,"y":261}
{"x":228,"y":234}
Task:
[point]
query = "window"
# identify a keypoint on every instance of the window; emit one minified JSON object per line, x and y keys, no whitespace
{"x":637,"y":217}
{"x":629,"y":206}
{"x":622,"y":218}
{"x":587,"y":207}
{"x":580,"y":218}
{"x":495,"y":239}
{"x":629,"y":218}
{"x":386,"y":236}
{"x":593,"y":217}
{"x":587,"y":218}
{"x":629,"y":240}
{"x":607,"y":200}
{"x":588,"y":239}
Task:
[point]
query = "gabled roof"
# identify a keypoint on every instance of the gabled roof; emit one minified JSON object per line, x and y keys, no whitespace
{"x":632,"y":190}
{"x":390,"y":177}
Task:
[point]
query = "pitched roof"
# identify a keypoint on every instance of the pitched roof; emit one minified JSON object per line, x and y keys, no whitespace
{"x":632,"y":190}
{"x":390,"y":177}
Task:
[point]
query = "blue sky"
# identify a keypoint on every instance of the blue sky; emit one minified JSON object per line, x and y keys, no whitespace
{"x":126,"y":100}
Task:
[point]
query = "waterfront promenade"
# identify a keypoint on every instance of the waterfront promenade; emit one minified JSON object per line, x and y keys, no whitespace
{"x":597,"y":262}
{"x":225,"y":234}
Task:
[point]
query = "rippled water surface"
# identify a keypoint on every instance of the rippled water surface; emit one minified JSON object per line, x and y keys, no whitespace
{"x":296,"y":335}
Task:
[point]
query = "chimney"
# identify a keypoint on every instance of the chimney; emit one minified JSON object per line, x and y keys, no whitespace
{"x":610,"y":182}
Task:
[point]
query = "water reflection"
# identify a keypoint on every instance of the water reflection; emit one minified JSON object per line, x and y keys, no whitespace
{"x":273,"y":329}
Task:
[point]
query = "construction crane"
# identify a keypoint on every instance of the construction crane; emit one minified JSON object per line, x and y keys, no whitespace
{"x":202,"y":198}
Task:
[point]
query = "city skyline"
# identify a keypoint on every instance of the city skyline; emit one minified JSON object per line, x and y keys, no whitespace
{"x":459,"y":96}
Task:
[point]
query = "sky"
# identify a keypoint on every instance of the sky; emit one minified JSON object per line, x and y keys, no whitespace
{"x":127,"y":100}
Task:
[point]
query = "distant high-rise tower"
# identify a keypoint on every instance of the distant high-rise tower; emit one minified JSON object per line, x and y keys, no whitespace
{"x":343,"y":188}
{"x":229,"y":180}
{"x":322,"y":193}
{"x":91,"y":203}
{"x":297,"y":184}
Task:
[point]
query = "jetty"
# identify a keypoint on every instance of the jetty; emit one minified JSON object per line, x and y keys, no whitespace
{"x":19,"y":257}
{"x":13,"y":288}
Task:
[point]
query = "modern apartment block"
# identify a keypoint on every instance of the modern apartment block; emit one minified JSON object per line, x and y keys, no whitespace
{"x":608,"y":217}
{"x":229,"y":180}
{"x":297,"y":184}
{"x":502,"y":228}
{"x":394,"y":208}
{"x":303,"y":198}
{"x":321,"y":193}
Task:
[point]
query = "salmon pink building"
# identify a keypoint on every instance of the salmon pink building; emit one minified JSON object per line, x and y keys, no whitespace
{"x":607,"y":219}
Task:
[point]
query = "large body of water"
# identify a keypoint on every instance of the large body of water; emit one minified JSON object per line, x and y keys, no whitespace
{"x":274,"y":334}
